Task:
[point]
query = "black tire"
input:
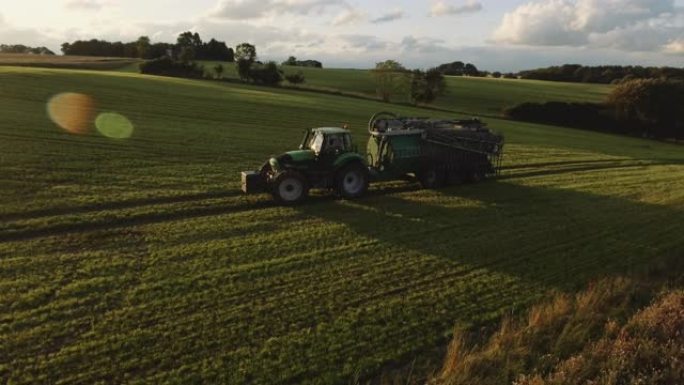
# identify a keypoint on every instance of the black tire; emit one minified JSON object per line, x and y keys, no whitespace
{"x":454,"y":178}
{"x":431,"y":177}
{"x":290,"y":188}
{"x":352,"y":181}
{"x":477,"y":175}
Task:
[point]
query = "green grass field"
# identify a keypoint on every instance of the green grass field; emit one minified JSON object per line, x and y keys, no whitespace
{"x":138,"y":260}
{"x":485,"y":97}
{"x":70,"y":62}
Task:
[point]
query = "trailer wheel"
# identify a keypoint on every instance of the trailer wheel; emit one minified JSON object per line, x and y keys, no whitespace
{"x":455,"y":178}
{"x":431,"y":177}
{"x":289,"y":188}
{"x":352,"y":181}
{"x":477,"y":175}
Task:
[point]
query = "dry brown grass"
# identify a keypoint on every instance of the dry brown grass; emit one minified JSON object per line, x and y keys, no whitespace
{"x":649,"y":349}
{"x":543,"y":347}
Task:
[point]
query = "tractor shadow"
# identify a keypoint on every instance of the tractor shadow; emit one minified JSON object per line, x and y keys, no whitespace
{"x":556,"y":238}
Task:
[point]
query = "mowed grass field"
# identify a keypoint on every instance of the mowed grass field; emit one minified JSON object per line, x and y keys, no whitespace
{"x":138,"y":260}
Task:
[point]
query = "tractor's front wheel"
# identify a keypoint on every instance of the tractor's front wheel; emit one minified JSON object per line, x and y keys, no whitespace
{"x":289,"y":188}
{"x":352,"y":181}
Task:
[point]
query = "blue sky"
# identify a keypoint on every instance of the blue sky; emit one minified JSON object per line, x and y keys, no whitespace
{"x":495,"y":35}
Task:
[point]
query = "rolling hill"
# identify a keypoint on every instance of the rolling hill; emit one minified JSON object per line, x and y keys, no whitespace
{"x":138,"y":260}
{"x":466,"y":95}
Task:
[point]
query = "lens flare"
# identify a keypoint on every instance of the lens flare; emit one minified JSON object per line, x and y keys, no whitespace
{"x":72,"y":112}
{"x":113,"y":125}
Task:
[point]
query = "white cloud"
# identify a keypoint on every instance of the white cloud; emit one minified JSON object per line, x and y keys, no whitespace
{"x":422,"y":45}
{"x":540,"y":23}
{"x":364,"y":43}
{"x":255,"y":9}
{"x":442,"y":8}
{"x":390,"y":16}
{"x":606,"y":15}
{"x":87,"y":5}
{"x":349,"y":16}
{"x":675,"y":47}
{"x":10,"y":34}
{"x":629,"y":25}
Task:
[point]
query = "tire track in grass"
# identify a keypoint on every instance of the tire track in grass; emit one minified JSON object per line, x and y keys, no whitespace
{"x":152,"y":218}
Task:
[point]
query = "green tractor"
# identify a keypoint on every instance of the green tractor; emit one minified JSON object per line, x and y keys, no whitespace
{"x":436,"y":152}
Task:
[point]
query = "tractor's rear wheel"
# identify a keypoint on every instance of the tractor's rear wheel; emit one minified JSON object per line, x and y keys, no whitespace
{"x":289,"y":188}
{"x":352,"y":181}
{"x":431,"y":177}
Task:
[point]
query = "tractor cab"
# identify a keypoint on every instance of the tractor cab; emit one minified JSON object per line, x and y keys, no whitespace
{"x":322,"y":141}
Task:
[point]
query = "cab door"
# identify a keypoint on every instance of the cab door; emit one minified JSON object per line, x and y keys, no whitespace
{"x":333,"y":146}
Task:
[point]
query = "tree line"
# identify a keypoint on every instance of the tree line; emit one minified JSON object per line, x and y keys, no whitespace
{"x":650,"y":108}
{"x":22,"y":49}
{"x":459,"y":68}
{"x":293,"y":62}
{"x":574,"y":73}
{"x":188,"y":46}
{"x":577,"y":73}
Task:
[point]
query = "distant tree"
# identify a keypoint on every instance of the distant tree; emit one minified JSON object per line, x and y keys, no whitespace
{"x":296,"y":78}
{"x":158,"y":50}
{"x":267,"y":74}
{"x":20,"y":48}
{"x":245,"y":51}
{"x":124,"y":50}
{"x":497,"y":74}
{"x":453,"y":69}
{"x":426,"y":86}
{"x":219,"y":71}
{"x":189,"y":39}
{"x":168,"y":67}
{"x":216,"y":50}
{"x":245,"y":55}
{"x":291,"y":61}
{"x":230,"y":55}
{"x":143,"y":46}
{"x":391,"y":78}
{"x":187,"y":54}
{"x":471,"y":70}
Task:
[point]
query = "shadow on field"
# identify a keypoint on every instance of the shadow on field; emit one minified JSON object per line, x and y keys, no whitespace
{"x":544,"y":237}
{"x":116,"y":205}
{"x":123,"y":220}
{"x":553,"y":237}
{"x":381,"y":193}
{"x":558,"y":168}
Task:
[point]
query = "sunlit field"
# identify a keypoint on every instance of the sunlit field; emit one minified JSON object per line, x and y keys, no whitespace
{"x":485,"y":97}
{"x":129,"y":255}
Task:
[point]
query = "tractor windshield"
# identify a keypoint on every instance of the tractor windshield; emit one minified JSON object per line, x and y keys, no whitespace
{"x":316,"y":143}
